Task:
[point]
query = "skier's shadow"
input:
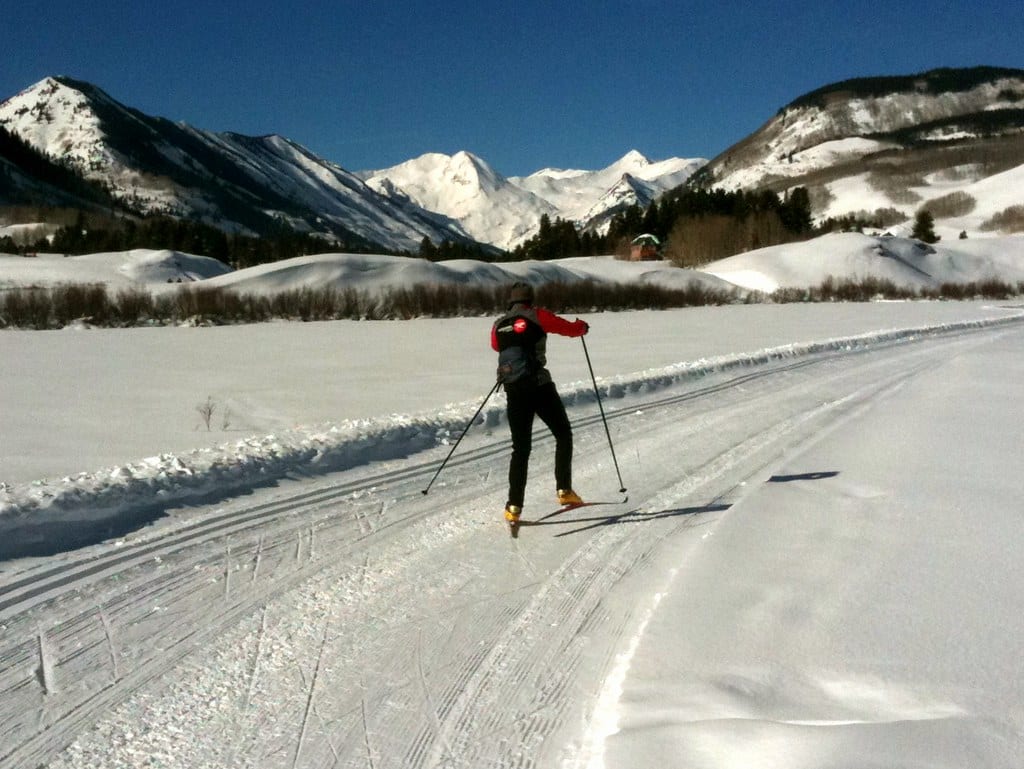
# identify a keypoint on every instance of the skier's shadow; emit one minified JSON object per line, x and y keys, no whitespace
{"x":816,"y":476}
{"x":630,"y":516}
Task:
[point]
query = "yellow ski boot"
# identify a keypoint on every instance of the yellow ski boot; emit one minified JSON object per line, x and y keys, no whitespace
{"x":568,"y":497}
{"x":512,"y":513}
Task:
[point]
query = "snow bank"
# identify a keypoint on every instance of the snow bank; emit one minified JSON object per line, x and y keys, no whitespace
{"x":141,"y":268}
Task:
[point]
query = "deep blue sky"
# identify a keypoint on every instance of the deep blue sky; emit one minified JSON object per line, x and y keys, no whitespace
{"x":524,"y":84}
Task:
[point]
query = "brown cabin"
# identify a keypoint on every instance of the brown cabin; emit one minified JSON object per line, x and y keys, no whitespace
{"x":644,"y":248}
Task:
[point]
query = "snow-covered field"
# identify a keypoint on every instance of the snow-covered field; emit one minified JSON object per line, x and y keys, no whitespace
{"x":816,"y":567}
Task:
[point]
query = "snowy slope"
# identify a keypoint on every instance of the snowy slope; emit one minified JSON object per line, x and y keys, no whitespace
{"x":149,"y":269}
{"x":841,"y":256}
{"x":854,"y":256}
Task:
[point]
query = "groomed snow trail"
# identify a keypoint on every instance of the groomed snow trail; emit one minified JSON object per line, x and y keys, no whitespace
{"x":347,"y":620}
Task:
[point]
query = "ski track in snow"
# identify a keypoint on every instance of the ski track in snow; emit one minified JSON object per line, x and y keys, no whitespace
{"x":315,"y":624}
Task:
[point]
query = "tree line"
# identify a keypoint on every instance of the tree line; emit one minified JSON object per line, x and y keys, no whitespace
{"x":698,"y":226}
{"x":91,"y":233}
{"x":96,"y":305}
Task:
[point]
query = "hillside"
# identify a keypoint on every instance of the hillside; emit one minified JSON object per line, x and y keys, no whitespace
{"x":948,"y":140}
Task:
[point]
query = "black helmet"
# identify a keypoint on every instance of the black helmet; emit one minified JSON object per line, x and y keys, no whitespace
{"x":521,"y":292}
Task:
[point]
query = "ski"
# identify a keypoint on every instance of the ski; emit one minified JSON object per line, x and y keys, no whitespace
{"x":565,"y":509}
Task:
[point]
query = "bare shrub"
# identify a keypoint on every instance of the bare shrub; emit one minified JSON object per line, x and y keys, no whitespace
{"x":896,"y":185}
{"x":307,"y":304}
{"x":131,"y":306}
{"x":845,"y":290}
{"x":39,"y":308}
{"x":76,"y":301}
{"x":317,"y":304}
{"x":27,"y":308}
{"x":790,"y":295}
{"x":588,"y":296}
{"x":206,"y":409}
{"x":880,"y":217}
{"x":968,"y":172}
{"x":821,"y":197}
{"x":623,"y":249}
{"x":990,"y":288}
{"x":953,"y":204}
{"x":1008,"y":220}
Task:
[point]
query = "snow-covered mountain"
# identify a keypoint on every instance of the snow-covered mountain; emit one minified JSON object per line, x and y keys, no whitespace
{"x":154,"y":166}
{"x":586,"y":196}
{"x":505,"y":211}
{"x":150,"y":165}
{"x":938,"y":140}
{"x":466,"y":189}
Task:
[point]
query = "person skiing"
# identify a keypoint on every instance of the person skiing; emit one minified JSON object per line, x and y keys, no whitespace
{"x":519,"y":337}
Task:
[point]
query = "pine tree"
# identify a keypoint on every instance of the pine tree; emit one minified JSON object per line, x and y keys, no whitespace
{"x":428,"y":250}
{"x":795,"y":212}
{"x":924,"y":227}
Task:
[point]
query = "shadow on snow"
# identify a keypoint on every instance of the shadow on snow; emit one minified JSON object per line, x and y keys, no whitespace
{"x":630,"y":516}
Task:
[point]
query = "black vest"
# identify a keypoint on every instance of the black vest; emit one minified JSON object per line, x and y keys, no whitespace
{"x":522,"y":347}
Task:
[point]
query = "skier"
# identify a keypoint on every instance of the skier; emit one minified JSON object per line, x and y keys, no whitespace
{"x":519,"y":337}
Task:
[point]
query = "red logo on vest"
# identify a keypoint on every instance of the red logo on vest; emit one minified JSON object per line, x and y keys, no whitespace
{"x":519,"y":326}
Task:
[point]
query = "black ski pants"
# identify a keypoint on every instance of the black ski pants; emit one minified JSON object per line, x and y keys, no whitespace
{"x":523,"y":404}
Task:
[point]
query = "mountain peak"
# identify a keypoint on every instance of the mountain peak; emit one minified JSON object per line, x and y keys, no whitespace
{"x":58,"y":118}
{"x":634,"y":158}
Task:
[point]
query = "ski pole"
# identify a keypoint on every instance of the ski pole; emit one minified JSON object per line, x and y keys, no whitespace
{"x":468,"y":425}
{"x":597,"y":393}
